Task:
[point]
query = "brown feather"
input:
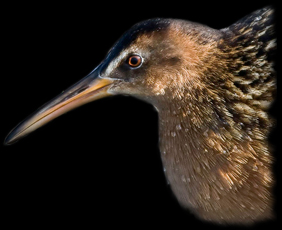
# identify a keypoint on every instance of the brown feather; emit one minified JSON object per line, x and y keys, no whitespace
{"x":213,"y":132}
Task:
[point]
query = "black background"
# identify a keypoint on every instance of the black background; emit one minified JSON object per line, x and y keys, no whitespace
{"x":99,"y":164}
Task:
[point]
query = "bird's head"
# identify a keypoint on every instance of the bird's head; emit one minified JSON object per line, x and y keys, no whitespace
{"x":154,"y":60}
{"x":158,"y":57}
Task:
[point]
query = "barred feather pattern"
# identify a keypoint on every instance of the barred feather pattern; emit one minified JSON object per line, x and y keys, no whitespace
{"x":251,"y":46}
{"x":217,"y":156}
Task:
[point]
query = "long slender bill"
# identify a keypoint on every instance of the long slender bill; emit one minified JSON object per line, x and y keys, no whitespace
{"x":90,"y":88}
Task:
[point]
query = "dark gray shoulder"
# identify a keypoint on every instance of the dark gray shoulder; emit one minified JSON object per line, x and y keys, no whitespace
{"x":256,"y":28}
{"x":249,"y":46}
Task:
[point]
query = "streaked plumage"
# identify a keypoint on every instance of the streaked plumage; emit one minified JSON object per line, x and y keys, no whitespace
{"x":212,"y":89}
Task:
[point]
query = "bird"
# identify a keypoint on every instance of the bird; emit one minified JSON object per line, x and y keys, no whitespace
{"x":212,"y":89}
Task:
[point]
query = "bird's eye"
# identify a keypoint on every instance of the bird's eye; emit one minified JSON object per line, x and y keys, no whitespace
{"x":134,"y":61}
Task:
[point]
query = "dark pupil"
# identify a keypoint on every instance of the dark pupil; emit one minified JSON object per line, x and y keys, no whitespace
{"x":134,"y":60}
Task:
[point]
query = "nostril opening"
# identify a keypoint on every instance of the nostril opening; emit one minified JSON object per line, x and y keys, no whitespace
{"x":82,"y":89}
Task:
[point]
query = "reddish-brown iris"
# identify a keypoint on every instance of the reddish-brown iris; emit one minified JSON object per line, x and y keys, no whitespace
{"x":134,"y":60}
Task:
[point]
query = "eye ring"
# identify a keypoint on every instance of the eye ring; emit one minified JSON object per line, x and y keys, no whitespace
{"x":134,"y":61}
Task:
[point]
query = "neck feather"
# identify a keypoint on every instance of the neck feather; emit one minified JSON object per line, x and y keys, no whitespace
{"x":214,"y":167}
